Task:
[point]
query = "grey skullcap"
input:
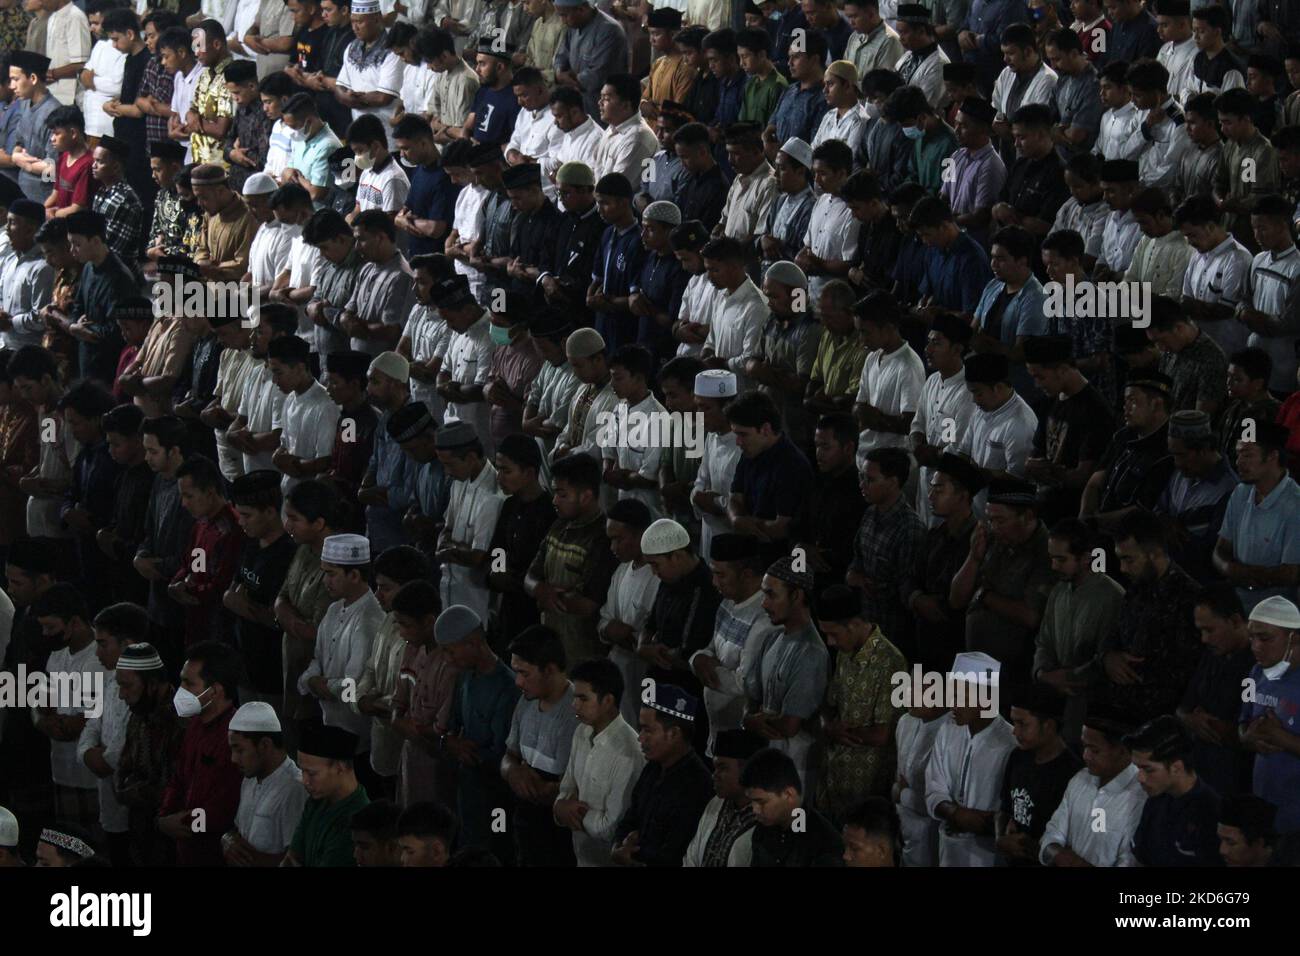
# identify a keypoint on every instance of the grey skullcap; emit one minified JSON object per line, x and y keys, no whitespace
{"x":456,"y":624}
{"x":663,"y":211}
{"x":456,"y":434}
{"x":787,"y":273}
{"x":1189,"y":423}
{"x":584,"y":343}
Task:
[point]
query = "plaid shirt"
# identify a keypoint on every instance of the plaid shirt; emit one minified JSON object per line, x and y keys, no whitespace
{"x":158,"y":84}
{"x":889,"y":546}
{"x":123,"y":218}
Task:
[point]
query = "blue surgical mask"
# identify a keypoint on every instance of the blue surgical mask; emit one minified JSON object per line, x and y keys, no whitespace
{"x":499,"y":334}
{"x":913,"y":132}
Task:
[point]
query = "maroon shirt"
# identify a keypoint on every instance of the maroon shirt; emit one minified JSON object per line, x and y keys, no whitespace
{"x":204,"y":778}
{"x":221,"y":540}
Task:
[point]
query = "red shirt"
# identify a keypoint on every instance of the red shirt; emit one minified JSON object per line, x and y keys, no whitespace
{"x":220,"y":539}
{"x":204,"y":779}
{"x":124,"y":361}
{"x":1289,"y":415}
{"x":74,"y":185}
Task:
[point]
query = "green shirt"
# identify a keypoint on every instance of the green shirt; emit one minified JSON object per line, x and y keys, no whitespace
{"x":929,"y":152}
{"x":761,"y":97}
{"x":839,"y":364}
{"x":324,"y":834}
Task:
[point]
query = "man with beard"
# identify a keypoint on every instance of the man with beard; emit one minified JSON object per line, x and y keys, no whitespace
{"x":1143,"y":665}
{"x":271,"y":797}
{"x":726,"y":829}
{"x":674,"y":787}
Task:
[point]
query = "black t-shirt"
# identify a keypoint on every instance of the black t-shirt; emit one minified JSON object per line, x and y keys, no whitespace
{"x":1031,"y":791}
{"x":1215,"y":687}
{"x":1179,"y":831}
{"x":309,"y":48}
{"x":262,"y":571}
{"x":1036,"y":187}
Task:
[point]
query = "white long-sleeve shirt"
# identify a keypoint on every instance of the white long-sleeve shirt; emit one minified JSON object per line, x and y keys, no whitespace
{"x":472,"y":513}
{"x":342,"y":649}
{"x":967,"y":770}
{"x":736,"y":333}
{"x":717,"y":468}
{"x":740,"y":635}
{"x":629,"y":600}
{"x":269,"y":809}
{"x":602,"y":770}
{"x":942,"y":415}
{"x":915,"y":740}
{"x":1097,"y":822}
{"x":108,"y":730}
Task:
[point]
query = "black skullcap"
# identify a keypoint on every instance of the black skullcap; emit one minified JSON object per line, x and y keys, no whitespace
{"x":1119,"y":171}
{"x":549,"y":322}
{"x":738,"y":744}
{"x":410,"y":421}
{"x":521,"y":449}
{"x":1174,"y":8}
{"x":255,"y":483}
{"x":987,"y":369}
{"x":913,"y":13}
{"x":222,"y":318}
{"x":488,"y":47}
{"x":1048,"y":349}
{"x":1151,"y":381}
{"x":522,"y":176}
{"x":1014,"y":492}
{"x":690,"y":236}
{"x":451,"y":292}
{"x":167,"y":149}
{"x":329,"y":743}
{"x":953,"y":328}
{"x":783,"y":570}
{"x":839,"y":603}
{"x":978,"y":109}
{"x":961,"y":470}
{"x":119,"y":148}
{"x":28,"y":209}
{"x":614,"y":184}
{"x":664,"y":18}
{"x":485,"y":153}
{"x":137,"y":308}
{"x":733,"y":547}
{"x":1245,"y":811}
{"x":1271,"y":433}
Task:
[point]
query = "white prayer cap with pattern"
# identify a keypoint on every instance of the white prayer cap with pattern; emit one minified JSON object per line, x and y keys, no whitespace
{"x":346,"y":550}
{"x":715,"y":383}
{"x":255,"y":717}
{"x":664,"y":537}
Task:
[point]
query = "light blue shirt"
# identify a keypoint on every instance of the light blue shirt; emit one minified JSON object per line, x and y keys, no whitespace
{"x":312,"y":157}
{"x":1267,"y":533}
{"x":1023,"y":316}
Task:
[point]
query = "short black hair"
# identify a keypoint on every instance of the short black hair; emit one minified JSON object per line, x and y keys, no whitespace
{"x":636,"y":360}
{"x":125,"y":621}
{"x":367,"y":129}
{"x":403,"y":563}
{"x":169,"y":431}
{"x":412,"y":126}
{"x":539,"y":646}
{"x":581,"y":471}
{"x":754,"y":410}
{"x":1066,"y":243}
{"x":64,"y":601}
{"x":417,"y":599}
{"x":428,"y":819}
{"x":219,"y":663}
{"x":770,"y":770}
{"x":1255,"y":362}
{"x":203,"y":473}
{"x":625,"y":86}
{"x":1034,"y":116}
{"x":378,"y":818}
{"x":88,"y":399}
{"x":123,"y":420}
{"x":1222,"y":599}
{"x":375,"y":221}
{"x":893,"y":463}
{"x":1166,"y":740}
{"x":603,"y":675}
{"x":842,"y":426}
{"x":1018,"y":241}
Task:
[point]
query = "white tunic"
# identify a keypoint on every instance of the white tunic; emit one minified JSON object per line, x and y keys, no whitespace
{"x":736,"y":333}
{"x":108,"y":65}
{"x":700,"y":303}
{"x":1041,"y":89}
{"x":750,"y":198}
{"x":467,"y":221}
{"x":233,"y":370}
{"x":1177,"y":59}
{"x":943,"y":415}
{"x":1115,"y":136}
{"x":452,"y":94}
{"x":535,"y":133}
{"x":56,"y":458}
{"x":1095,"y":822}
{"x":261,"y":405}
{"x":967,"y":770}
{"x":832,"y":234}
{"x":845,"y":128}
{"x":915,"y":740}
{"x":382,"y":76}
{"x":308,"y":423}
{"x":417,"y":88}
{"x":1271,"y":284}
{"x":577,"y":145}
{"x":627,"y":149}
{"x":1000,"y":440}
{"x":471,"y":518}
{"x":601,"y":772}
{"x":1220,"y":277}
{"x":551,"y":393}
{"x":66,"y":767}
{"x":26,"y":287}
{"x":631,"y":595}
{"x":890,"y":383}
{"x":269,"y":809}
{"x":429,"y":335}
{"x":717,"y":468}
{"x":303,"y":259}
{"x":640,"y":453}
{"x":469,"y":362}
{"x":342,"y":649}
{"x":108,"y":731}
{"x":1119,"y":238}
{"x":269,"y":254}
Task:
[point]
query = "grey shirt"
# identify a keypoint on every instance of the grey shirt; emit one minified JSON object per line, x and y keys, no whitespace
{"x":593,"y":53}
{"x":384,"y":292}
{"x":34,"y":136}
{"x":1078,"y":103}
{"x":334,"y":282}
{"x":543,"y":738}
{"x":791,"y":676}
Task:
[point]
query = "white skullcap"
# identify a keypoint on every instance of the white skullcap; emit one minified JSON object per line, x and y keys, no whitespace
{"x":1277,"y":611}
{"x":456,"y":624}
{"x":663,"y":537}
{"x":259,"y":184}
{"x":255,"y":717}
{"x":392,"y":365}
{"x":976,"y":667}
{"x":799,"y":151}
{"x":8,"y":828}
{"x":362,"y":7}
{"x":787,"y":273}
{"x":346,"y":550}
{"x":584,"y":343}
{"x":663,"y":211}
{"x":715,"y":383}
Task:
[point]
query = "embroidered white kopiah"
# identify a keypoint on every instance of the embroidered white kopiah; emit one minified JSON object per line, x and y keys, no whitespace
{"x":195,"y":298}
{"x":623,"y":428}
{"x":945,"y":689}
{"x":1127,"y":301}
{"x":77,"y":690}
{"x":77,"y":909}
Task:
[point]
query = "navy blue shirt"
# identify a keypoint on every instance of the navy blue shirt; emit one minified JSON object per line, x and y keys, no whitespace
{"x":617,"y":265}
{"x":837,"y":38}
{"x":799,"y":112}
{"x":1132,"y":40}
{"x":1179,"y":831}
{"x":663,"y":281}
{"x":956,"y":276}
{"x":793,"y":19}
{"x":432,"y":196}
{"x":909,"y":268}
{"x":775,"y":481}
{"x":494,"y":115}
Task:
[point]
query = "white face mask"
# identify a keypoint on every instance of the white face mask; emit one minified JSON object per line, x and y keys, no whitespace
{"x":186,"y":703}
{"x":1282,"y":666}
{"x":363,"y":161}
{"x":297,"y":135}
{"x":871,"y":109}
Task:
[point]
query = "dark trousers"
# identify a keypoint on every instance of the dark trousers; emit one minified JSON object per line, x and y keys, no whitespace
{"x":539,"y":840}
